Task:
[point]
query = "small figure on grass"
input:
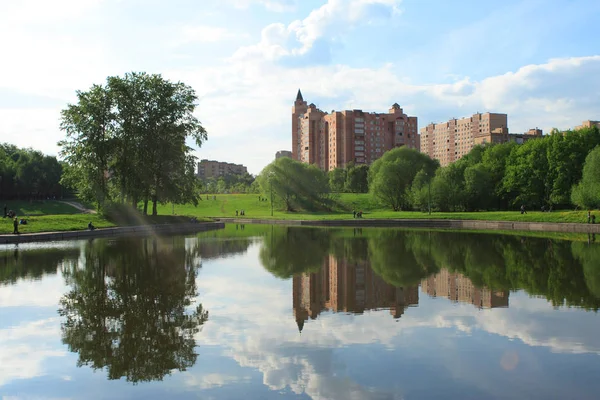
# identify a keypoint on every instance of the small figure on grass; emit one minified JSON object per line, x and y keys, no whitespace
{"x":15,"y":226}
{"x":91,"y":226}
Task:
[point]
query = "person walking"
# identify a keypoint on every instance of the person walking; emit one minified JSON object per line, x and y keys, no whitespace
{"x":15,"y":226}
{"x":589,"y":217}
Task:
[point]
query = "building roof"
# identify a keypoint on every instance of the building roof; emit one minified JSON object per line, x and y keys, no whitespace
{"x":299,"y":96}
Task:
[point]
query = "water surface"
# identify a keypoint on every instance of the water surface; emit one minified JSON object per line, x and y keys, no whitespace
{"x":271,"y":312}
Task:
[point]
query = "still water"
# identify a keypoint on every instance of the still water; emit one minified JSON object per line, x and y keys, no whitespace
{"x":262,"y":312}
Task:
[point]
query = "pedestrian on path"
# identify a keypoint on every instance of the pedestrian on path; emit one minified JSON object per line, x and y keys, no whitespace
{"x":15,"y":226}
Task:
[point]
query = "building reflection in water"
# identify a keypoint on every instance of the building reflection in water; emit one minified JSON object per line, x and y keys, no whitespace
{"x":353,"y":287}
{"x":347,"y":286}
{"x":458,"y":288}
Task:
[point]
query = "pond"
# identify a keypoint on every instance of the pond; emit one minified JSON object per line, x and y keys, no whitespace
{"x":255,"y":311}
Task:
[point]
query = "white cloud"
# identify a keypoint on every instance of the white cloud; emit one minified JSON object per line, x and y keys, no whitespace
{"x":24,"y":348}
{"x":327,"y":21}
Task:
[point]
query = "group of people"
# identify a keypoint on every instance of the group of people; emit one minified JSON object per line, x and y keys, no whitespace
{"x":241,"y":212}
{"x":357,"y":214}
{"x":16,"y":221}
{"x":591,"y":218}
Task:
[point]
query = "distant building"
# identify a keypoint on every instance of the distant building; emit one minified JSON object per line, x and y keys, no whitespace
{"x":214,"y":169}
{"x":449,"y":141}
{"x":521,"y":138}
{"x":588,"y":124}
{"x":331,"y":140}
{"x":283,"y":153}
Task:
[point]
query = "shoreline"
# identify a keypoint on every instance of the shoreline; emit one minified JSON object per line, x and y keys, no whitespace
{"x":483,"y":225}
{"x":119,"y":231}
{"x":219,"y":223}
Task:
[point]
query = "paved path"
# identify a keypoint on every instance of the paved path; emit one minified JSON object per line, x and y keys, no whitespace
{"x":80,"y":207}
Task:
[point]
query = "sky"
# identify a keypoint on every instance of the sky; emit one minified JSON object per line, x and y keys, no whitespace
{"x":536,"y":60}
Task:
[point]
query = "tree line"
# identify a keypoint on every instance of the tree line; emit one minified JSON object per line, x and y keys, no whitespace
{"x":27,"y":174}
{"x":127,"y":142}
{"x":560,"y":170}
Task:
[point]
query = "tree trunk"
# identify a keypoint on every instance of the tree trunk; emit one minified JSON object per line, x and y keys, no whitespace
{"x":154,"y":200}
{"x":146,"y":206}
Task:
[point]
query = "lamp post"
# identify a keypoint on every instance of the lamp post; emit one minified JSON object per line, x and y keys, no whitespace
{"x":428,"y":192}
{"x":271,"y":190}
{"x":429,"y":196}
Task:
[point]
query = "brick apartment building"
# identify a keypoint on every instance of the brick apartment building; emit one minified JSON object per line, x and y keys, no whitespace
{"x":214,"y":169}
{"x":331,"y":140}
{"x":451,"y":140}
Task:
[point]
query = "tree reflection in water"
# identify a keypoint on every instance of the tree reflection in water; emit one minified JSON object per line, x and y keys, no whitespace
{"x":130,"y":308}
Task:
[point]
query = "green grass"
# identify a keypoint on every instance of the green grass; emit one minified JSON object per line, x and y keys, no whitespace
{"x":55,"y":223}
{"x":30,"y":208}
{"x":225,"y":205}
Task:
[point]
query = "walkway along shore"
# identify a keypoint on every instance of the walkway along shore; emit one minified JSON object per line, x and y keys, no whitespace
{"x":376,"y":223}
{"x":430,"y":223}
{"x":144,"y":230}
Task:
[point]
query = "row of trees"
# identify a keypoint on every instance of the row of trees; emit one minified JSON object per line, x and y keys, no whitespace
{"x":126,"y":141}
{"x":231,"y":183}
{"x":28,"y":174}
{"x":545,"y":172}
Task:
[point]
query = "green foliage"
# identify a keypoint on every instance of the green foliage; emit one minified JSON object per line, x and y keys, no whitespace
{"x":295,"y":186}
{"x":127,"y":141}
{"x":337,"y":179}
{"x":586,"y":193}
{"x":357,"y":179}
{"x":28,"y":174}
{"x":231,"y":183}
{"x":391,"y":176}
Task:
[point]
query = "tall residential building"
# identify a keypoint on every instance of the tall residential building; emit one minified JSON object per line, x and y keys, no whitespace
{"x":214,"y":169}
{"x":347,"y":286}
{"x":449,"y":141}
{"x":458,"y":288}
{"x":283,"y":153}
{"x":331,"y":140}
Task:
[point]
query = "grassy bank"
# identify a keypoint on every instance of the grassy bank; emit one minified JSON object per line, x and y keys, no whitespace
{"x":55,"y":216}
{"x":225,"y":205}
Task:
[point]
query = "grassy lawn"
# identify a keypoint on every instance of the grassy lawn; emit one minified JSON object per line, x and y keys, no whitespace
{"x":55,"y":223}
{"x":226,"y":205}
{"x":31,"y":208}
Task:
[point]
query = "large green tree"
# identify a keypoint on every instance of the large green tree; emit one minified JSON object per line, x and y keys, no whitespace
{"x":127,"y":140}
{"x":294,"y":185}
{"x":586,"y":193}
{"x":391,"y":176}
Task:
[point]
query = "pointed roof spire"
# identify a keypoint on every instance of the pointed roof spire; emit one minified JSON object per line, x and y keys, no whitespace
{"x":299,"y":96}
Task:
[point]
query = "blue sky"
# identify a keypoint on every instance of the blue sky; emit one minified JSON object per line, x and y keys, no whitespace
{"x":538,"y":61}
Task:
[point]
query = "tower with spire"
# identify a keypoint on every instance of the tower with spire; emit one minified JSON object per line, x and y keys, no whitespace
{"x":298,"y":109}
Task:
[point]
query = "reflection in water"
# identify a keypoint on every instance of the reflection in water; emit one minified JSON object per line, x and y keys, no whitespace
{"x":383,"y":268}
{"x":32,"y":264}
{"x":458,"y":288}
{"x":130,"y":307}
{"x":348,"y":286}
